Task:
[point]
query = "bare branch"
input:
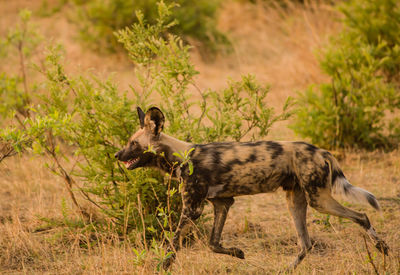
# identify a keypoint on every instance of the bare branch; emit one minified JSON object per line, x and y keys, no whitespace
{"x":6,"y":151}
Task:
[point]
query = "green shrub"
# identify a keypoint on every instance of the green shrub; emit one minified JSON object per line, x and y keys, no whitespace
{"x":85,"y":120}
{"x":360,"y":106}
{"x":97,"y":20}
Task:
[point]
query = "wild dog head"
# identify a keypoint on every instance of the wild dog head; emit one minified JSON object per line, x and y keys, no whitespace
{"x":135,"y":154}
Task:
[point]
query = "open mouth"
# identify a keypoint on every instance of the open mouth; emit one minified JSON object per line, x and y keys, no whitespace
{"x":131,"y":162}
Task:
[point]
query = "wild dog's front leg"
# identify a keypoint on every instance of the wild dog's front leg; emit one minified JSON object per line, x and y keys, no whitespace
{"x":191,"y":211}
{"x":221,"y":208}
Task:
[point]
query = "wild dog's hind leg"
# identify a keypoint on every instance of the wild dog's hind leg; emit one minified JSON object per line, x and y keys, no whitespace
{"x":221,"y":208}
{"x":297,"y":205}
{"x":325,"y":203}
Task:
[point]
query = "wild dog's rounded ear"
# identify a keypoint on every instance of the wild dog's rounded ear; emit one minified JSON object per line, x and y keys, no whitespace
{"x":141,"y":116}
{"x":154,"y":121}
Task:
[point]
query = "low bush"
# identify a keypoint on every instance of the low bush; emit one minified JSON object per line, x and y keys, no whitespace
{"x":360,"y":106}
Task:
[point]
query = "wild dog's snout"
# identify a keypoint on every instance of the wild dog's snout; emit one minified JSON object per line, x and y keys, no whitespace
{"x":117,"y":154}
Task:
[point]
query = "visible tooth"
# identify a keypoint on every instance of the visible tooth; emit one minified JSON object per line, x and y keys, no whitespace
{"x":131,"y":161}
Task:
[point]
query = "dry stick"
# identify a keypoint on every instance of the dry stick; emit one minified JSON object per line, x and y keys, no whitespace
{"x":168,"y":207}
{"x":68,"y":180}
{"x":141,"y":217}
{"x":369,"y":256}
{"x":185,"y":104}
{"x":22,"y":64}
{"x":23,"y":71}
{"x":105,"y":143}
{"x":21,"y":123}
{"x":384,"y":261}
{"x":168,"y":199}
{"x":205,"y":105}
{"x":23,"y":113}
{"x":126,"y":218}
{"x":68,"y":183}
{"x":86,"y":195}
{"x":161,"y":226}
{"x":8,"y":152}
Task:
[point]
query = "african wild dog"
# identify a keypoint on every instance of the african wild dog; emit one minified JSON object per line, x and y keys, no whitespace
{"x":229,"y":169}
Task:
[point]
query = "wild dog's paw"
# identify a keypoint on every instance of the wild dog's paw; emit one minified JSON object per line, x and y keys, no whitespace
{"x":382,"y":247}
{"x":236,"y":252}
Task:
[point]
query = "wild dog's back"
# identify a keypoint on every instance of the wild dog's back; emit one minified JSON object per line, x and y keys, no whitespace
{"x":243,"y":168}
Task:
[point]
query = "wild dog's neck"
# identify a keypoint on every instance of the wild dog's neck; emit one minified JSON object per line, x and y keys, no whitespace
{"x":170,"y":145}
{"x":174,"y":144}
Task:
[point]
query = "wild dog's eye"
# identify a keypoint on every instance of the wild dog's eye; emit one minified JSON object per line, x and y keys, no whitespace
{"x":134,"y":143}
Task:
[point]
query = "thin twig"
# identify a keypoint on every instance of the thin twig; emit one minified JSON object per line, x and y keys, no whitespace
{"x":6,"y":151}
{"x":86,"y":195}
{"x":19,"y":120}
{"x":384,"y":261}
{"x":67,"y":178}
{"x":168,"y":198}
{"x":143,"y":224}
{"x":204,"y":107}
{"x":126,"y":216}
{"x":23,"y":71}
{"x":369,"y":257}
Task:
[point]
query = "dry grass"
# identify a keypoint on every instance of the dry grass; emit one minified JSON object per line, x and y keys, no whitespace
{"x":277,"y":46}
{"x":259,"y":224}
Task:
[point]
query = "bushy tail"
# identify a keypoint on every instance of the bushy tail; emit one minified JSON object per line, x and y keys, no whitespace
{"x":354,"y":194}
{"x":342,"y":187}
